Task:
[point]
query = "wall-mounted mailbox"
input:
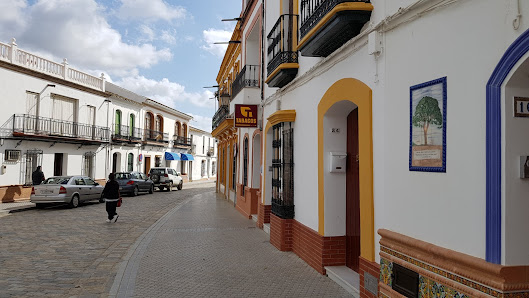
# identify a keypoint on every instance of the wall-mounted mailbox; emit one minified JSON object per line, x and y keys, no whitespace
{"x":338,"y":162}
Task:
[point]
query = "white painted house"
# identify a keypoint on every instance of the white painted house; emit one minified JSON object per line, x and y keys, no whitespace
{"x":204,"y":151}
{"x":393,"y":142}
{"x":52,"y":116}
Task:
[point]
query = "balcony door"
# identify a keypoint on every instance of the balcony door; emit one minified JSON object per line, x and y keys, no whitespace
{"x":64,"y":115}
{"x":91,"y":120}
{"x":32,"y":110}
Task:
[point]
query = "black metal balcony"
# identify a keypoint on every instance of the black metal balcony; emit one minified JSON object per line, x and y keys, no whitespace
{"x":328,"y":24}
{"x":124,"y":133}
{"x":248,"y":77}
{"x":154,"y":136}
{"x":221,"y":114}
{"x":282,"y":56}
{"x":29,"y":126}
{"x":181,"y":141}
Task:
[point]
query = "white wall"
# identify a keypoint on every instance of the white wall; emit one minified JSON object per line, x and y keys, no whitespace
{"x":446,"y":209}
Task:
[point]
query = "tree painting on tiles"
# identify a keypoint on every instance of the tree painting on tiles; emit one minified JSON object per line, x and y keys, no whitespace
{"x":428,"y":126}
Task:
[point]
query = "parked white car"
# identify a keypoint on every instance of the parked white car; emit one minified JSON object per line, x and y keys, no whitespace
{"x":166,"y":178}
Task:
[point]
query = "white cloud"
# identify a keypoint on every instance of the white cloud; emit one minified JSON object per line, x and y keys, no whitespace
{"x":150,"y":10}
{"x":166,"y":92}
{"x":168,"y":37}
{"x":76,"y":29}
{"x":12,"y":19}
{"x":216,"y":35}
{"x":147,"y":33}
{"x":201,"y":122}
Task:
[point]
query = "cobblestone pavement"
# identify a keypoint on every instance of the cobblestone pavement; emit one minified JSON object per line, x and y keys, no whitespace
{"x":187,"y":243}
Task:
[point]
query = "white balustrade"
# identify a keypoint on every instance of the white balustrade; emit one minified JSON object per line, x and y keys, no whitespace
{"x":39,"y":64}
{"x":4,"y":51}
{"x":83,"y":78}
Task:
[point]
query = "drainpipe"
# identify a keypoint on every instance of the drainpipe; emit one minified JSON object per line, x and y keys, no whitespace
{"x":109,"y":142}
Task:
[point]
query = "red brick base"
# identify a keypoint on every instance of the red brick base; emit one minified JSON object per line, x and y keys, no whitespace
{"x":316,"y":250}
{"x":263,"y":215}
{"x":372,"y":268}
{"x":281,"y":233}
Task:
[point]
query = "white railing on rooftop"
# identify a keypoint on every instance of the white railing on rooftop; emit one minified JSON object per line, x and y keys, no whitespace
{"x":12,"y":54}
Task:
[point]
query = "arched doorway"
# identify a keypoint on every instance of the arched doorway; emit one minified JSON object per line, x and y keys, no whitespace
{"x":116,"y":162}
{"x":506,"y":82}
{"x":335,"y":110}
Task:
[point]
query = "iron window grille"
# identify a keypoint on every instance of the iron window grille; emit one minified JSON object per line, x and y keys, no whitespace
{"x":234,"y":172}
{"x":245,"y":166}
{"x":283,"y":170}
{"x":32,"y":159}
{"x":88,"y":165}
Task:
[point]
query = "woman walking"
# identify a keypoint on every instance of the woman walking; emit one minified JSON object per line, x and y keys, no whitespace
{"x":111,"y":195}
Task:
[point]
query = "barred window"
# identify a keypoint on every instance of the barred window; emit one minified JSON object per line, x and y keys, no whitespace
{"x":245,"y":165}
{"x":89,"y":164}
{"x":283,"y":170}
{"x":234,"y":172}
{"x":32,"y":159}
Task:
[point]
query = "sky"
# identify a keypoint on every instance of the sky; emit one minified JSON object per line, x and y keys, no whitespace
{"x":161,"y":49}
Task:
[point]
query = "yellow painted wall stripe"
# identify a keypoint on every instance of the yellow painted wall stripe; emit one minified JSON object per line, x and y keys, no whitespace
{"x":338,"y":8}
{"x":360,"y":94}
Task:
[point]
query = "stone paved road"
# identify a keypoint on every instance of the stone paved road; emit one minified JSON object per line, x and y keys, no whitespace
{"x":187,"y":243}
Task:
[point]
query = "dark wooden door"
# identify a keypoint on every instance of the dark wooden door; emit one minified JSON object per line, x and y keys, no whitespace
{"x":352,"y":194}
{"x":147,"y":164}
{"x":57,"y":166}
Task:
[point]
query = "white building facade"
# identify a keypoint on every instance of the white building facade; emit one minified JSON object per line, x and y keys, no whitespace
{"x":360,"y":168}
{"x":53,"y":116}
{"x":72,"y":123}
{"x":204,"y":151}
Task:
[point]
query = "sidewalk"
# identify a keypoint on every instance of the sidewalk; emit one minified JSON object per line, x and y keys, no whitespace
{"x":5,"y":208}
{"x":205,"y":248}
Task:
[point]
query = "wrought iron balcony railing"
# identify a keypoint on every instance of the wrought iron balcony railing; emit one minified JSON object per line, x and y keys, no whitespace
{"x":248,"y":77}
{"x":312,"y":11}
{"x":124,"y":132}
{"x":221,"y":114}
{"x":155,"y":136}
{"x":281,"y":42}
{"x":49,"y":127}
{"x":181,"y":141}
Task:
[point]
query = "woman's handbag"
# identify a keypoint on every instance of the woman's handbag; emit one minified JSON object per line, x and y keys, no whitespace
{"x":119,"y":202}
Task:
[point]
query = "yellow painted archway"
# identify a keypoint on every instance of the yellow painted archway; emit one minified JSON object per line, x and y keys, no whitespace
{"x":360,"y":94}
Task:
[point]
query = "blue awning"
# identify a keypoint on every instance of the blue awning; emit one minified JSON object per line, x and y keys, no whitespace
{"x":172,"y":156}
{"x":186,"y":156}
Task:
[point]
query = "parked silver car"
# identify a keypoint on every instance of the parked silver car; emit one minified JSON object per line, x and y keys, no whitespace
{"x":66,"y":189}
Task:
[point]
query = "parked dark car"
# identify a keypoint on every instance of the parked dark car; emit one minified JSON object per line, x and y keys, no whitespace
{"x":132,"y":183}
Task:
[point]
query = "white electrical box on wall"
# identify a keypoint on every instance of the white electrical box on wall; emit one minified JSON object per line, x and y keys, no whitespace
{"x":338,"y":162}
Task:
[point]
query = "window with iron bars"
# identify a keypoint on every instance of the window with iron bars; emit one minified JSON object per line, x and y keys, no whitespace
{"x":89,"y":164}
{"x":234,"y":181}
{"x":32,"y":159}
{"x":245,"y":165}
{"x":283,"y":170}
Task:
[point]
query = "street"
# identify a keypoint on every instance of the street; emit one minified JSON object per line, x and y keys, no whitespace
{"x":186,"y":243}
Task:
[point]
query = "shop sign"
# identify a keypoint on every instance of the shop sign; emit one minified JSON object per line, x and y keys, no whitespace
{"x":245,"y":115}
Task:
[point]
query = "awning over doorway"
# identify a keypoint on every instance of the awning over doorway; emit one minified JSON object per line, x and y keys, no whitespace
{"x":186,"y":156}
{"x":172,"y":156}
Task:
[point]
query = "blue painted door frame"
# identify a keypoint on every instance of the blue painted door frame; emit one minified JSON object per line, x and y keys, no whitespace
{"x":513,"y":54}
